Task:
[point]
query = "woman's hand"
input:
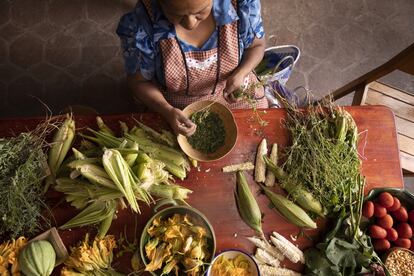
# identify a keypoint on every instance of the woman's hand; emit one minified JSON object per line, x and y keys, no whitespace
{"x":179,"y":122}
{"x":233,"y":83}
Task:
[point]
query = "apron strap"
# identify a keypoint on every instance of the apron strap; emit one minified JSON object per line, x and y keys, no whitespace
{"x":148,"y":8}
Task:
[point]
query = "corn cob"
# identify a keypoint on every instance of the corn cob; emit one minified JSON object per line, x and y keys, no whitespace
{"x":165,"y":137}
{"x":96,"y":212}
{"x":267,"y":247}
{"x":304,"y":198}
{"x":159,"y":151}
{"x":93,"y":173}
{"x":103,"y":127}
{"x":169,"y":191}
{"x":106,"y":224}
{"x":267,"y":270}
{"x":124,"y":127}
{"x":247,"y":166}
{"x":270,"y":177}
{"x":292,"y":212}
{"x":293,"y":253}
{"x":103,"y":138}
{"x":125,"y":180}
{"x":265,"y":257}
{"x":131,"y":157}
{"x":260,"y":169}
{"x":78,"y":155}
{"x":246,"y":203}
{"x":80,"y":193}
{"x":62,"y":142}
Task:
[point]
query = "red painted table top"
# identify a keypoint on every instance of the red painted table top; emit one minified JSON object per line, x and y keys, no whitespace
{"x":213,"y":189}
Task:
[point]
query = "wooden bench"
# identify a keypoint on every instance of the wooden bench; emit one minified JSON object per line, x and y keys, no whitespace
{"x":402,"y":103}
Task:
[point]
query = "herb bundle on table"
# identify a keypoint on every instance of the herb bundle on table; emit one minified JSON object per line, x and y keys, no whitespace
{"x":23,"y":167}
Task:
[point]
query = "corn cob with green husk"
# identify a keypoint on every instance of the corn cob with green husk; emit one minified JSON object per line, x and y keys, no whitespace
{"x":270,"y":177}
{"x":95,"y":213}
{"x":121,"y":174}
{"x":94,"y":173}
{"x":80,"y":193}
{"x":165,"y":137}
{"x":304,"y":198}
{"x":175,"y":162}
{"x":103,"y":127}
{"x":170,"y":191}
{"x":62,"y":142}
{"x":292,"y":212}
{"x":246,"y":203}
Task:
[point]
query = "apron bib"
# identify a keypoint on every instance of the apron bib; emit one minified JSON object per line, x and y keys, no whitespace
{"x":201,"y":75}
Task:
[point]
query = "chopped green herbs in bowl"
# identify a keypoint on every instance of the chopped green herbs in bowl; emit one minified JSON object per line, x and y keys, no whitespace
{"x":216,"y":133}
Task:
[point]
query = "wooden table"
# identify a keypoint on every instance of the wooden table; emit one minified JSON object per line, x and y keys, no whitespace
{"x":213,"y":189}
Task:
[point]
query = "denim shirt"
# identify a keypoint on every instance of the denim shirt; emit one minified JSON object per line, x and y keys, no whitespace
{"x":140,"y":36}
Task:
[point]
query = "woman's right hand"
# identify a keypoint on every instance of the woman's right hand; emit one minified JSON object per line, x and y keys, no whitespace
{"x":179,"y":122}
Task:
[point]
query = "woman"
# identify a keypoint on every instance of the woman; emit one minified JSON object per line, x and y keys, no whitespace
{"x":181,"y":51}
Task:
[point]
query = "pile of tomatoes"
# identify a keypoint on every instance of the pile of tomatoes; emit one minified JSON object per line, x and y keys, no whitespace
{"x":392,"y":223}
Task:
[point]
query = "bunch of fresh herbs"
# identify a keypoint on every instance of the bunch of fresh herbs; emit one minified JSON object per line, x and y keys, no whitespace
{"x":23,"y":166}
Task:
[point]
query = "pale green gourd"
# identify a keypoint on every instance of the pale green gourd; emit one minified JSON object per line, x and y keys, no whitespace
{"x":37,"y":259}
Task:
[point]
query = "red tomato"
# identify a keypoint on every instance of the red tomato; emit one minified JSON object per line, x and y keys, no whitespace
{"x":404,"y":230}
{"x":411,"y":217}
{"x":412,"y":245}
{"x":405,"y":243}
{"x":385,"y":222}
{"x":392,"y":234}
{"x":395,"y":206}
{"x":386,"y":199}
{"x":379,"y":210}
{"x":368,"y":209}
{"x":381,"y":245}
{"x":377,"y":232}
{"x":401,"y":214}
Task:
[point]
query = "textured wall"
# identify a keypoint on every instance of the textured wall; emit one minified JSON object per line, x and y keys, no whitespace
{"x":65,"y":52}
{"x":61,"y":52}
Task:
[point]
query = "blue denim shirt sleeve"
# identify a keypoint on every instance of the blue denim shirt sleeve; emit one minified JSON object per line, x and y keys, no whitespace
{"x":137,"y":43}
{"x":251,"y":23}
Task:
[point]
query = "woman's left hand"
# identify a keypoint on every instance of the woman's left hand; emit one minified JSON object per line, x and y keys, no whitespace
{"x":233,"y":83}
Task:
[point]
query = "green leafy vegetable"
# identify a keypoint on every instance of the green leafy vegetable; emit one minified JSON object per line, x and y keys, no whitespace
{"x":210,"y":133}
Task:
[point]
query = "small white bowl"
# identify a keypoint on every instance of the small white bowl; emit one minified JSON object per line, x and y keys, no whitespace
{"x":231,"y":254}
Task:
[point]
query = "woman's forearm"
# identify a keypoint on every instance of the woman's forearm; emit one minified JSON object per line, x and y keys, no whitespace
{"x":251,"y":57}
{"x":148,"y":93}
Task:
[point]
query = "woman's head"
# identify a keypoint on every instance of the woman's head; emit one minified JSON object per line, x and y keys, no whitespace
{"x":186,"y":13}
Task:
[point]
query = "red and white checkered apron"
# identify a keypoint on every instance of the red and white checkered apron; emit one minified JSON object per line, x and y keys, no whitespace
{"x":201,"y":75}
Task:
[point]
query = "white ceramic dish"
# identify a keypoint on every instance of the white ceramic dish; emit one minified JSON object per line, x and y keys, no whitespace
{"x":231,"y":254}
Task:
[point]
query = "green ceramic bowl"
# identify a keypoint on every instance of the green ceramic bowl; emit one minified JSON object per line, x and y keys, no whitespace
{"x":406,"y":198}
{"x":197,"y":217}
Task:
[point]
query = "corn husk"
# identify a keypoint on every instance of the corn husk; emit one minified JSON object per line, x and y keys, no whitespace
{"x":95,"y":213}
{"x":120,"y":173}
{"x":246,"y":203}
